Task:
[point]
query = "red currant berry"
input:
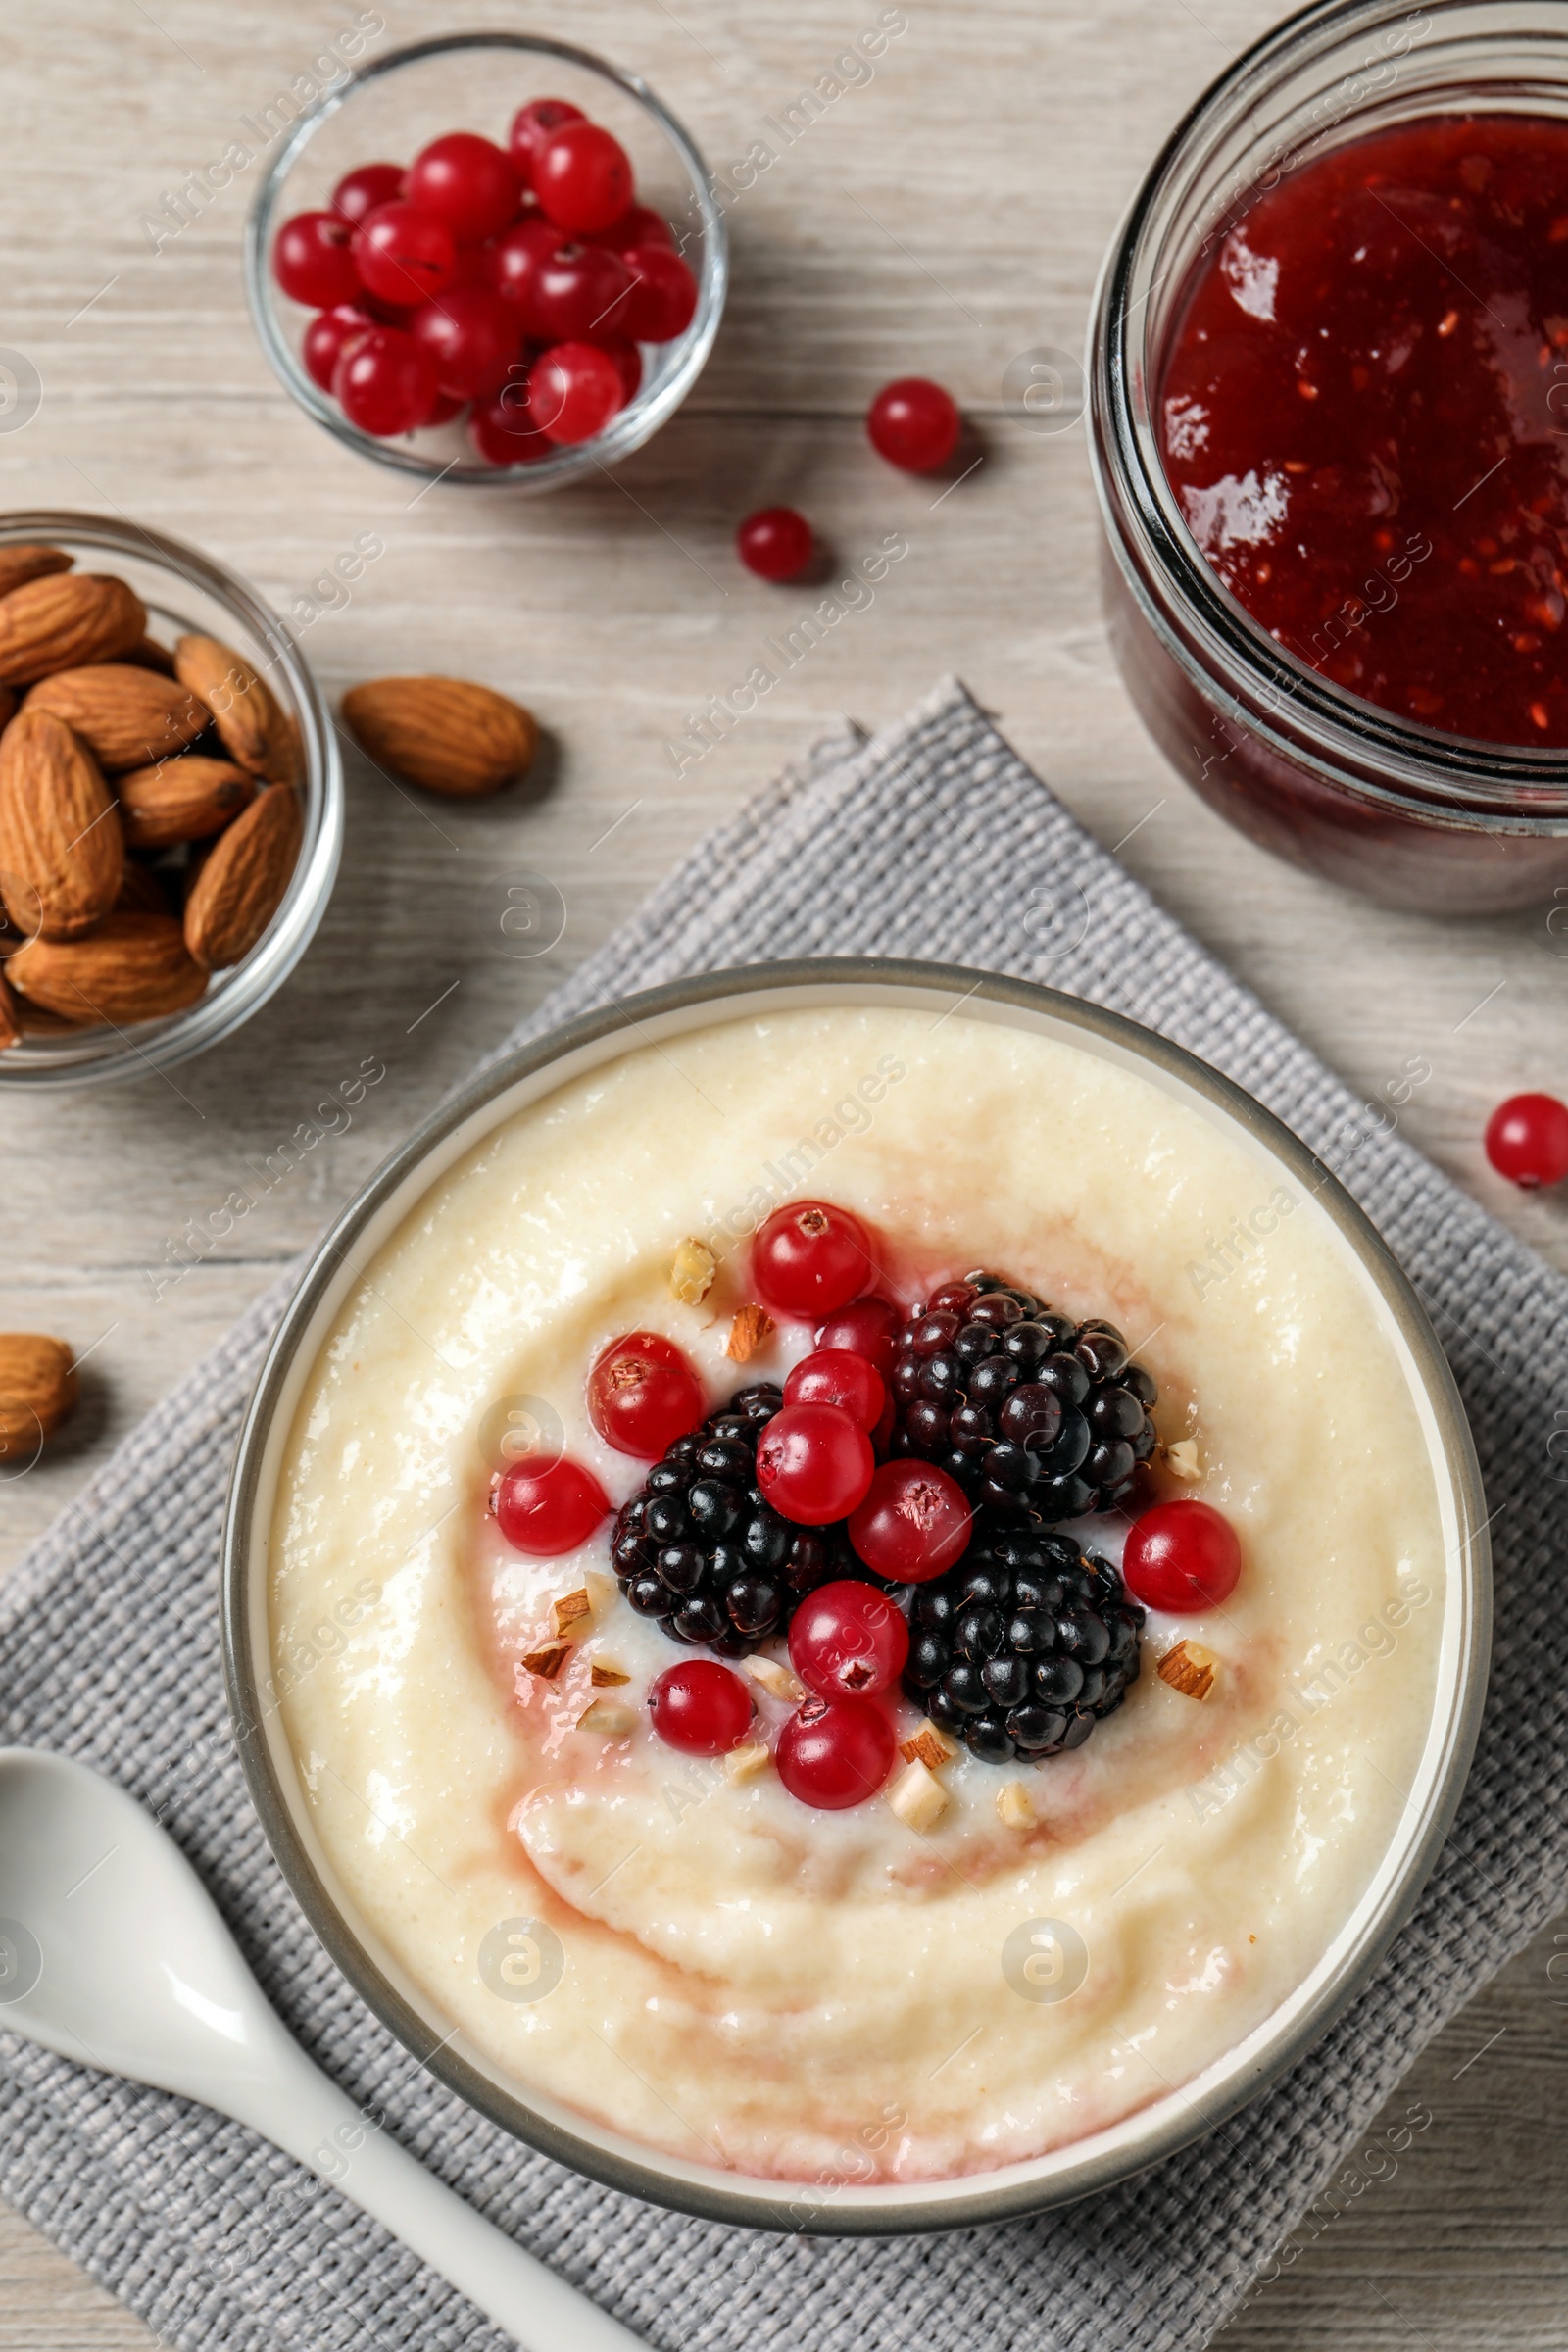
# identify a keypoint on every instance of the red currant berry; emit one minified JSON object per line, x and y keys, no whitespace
{"x":575,"y":291}
{"x":547,"y":1506}
{"x":312,"y":260}
{"x":643,"y":1395}
{"x":533,"y":123}
{"x":516,"y":257}
{"x":663,"y":301}
{"x":700,"y":1707}
{"x":503,"y":431}
{"x":913,"y":424}
{"x":642,"y":226}
{"x":776,"y":543}
{"x":447,"y":406}
{"x":835,"y":1752}
{"x":838,"y":1375}
{"x":583,"y":177}
{"x":467,"y":182}
{"x":1182,"y":1556}
{"x":848,"y":1641}
{"x":868,"y":1327}
{"x":471,"y":337}
{"x":913,"y":1523}
{"x":404,"y":255}
{"x":628,"y":359}
{"x":813,"y":1463}
{"x":810,"y":1259}
{"x":383,"y":382}
{"x":360,"y":190}
{"x":1527,"y":1139}
{"x":325,"y":337}
{"x":474,"y":267}
{"x":577,"y":389}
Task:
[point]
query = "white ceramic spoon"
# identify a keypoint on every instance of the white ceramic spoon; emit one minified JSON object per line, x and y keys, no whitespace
{"x":112,"y":1953}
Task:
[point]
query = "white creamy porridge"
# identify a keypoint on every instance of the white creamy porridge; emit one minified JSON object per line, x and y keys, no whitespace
{"x":734,"y":1976}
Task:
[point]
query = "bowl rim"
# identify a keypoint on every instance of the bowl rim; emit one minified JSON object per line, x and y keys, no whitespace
{"x":1179,"y":2118}
{"x":644,"y":414}
{"x":214,"y":1017}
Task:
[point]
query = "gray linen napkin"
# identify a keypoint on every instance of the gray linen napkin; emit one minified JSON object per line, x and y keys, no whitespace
{"x":934,"y":840}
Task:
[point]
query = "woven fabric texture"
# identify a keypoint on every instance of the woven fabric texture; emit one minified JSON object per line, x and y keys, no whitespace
{"x":935,"y":839}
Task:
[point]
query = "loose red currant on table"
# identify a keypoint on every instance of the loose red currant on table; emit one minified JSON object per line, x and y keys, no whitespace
{"x":467,"y":182}
{"x":384,"y":384}
{"x":811,"y":1259}
{"x":1182,"y":1556}
{"x":868,"y":1327}
{"x":575,"y":292}
{"x":663,"y":301}
{"x":503,"y":431}
{"x":471,"y":337}
{"x":1527,"y":1139}
{"x":325,"y":337}
{"x":367,"y":185}
{"x":404,"y":255}
{"x":582,"y":176}
{"x":547,"y":1506}
{"x":700,"y":1707}
{"x":836,"y":1376}
{"x":835,"y":1752}
{"x":913,"y":1524}
{"x":913,"y":424}
{"x":575,"y":390}
{"x":312,"y":260}
{"x":775,"y":543}
{"x":643,"y":1395}
{"x":536,"y":123}
{"x":813,"y":1463}
{"x":848,"y":1641}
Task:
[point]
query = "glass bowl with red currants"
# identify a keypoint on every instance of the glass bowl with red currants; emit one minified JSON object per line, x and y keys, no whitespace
{"x":488,"y":258}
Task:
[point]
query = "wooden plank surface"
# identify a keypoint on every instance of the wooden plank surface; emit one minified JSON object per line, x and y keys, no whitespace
{"x":942,"y":217}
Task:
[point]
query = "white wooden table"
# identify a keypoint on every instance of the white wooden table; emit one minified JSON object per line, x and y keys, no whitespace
{"x":942,"y":217}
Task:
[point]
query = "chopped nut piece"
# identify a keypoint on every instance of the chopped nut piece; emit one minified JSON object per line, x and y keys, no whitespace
{"x":1016,"y":1807}
{"x":776,"y":1679}
{"x":1188,"y":1669}
{"x":1181,"y":1459}
{"x":750,"y":1330}
{"x":548,"y":1659}
{"x":745,"y":1763}
{"x":918,"y":1797}
{"x":571,"y":1608}
{"x":608,"y":1720}
{"x":928,"y":1746}
{"x":605,"y":1678}
{"x":690,"y":1277}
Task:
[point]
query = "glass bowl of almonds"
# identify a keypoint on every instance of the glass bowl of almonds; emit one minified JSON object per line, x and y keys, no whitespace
{"x":170,"y":800}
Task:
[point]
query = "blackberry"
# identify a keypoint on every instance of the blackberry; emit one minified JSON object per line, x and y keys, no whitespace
{"x":1034,"y":1415}
{"x":699,"y":1549}
{"x":1023,"y":1646}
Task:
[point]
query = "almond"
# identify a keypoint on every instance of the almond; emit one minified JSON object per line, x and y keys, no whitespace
{"x":1189,"y":1669}
{"x":750,"y":1329}
{"x":241,"y":885}
{"x":30,"y":562}
{"x":181,"y":800}
{"x":691,"y":1275}
{"x":62,"y":853}
{"x":126,"y":717}
{"x":243,"y":705}
{"x":451,"y":737}
{"x":10,"y":1016}
{"x":548,"y":1659}
{"x":133,"y":967}
{"x":37,"y":1389}
{"x":64,"y":620}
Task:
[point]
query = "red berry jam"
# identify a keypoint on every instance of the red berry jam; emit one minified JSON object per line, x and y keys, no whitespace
{"x":848,"y":1641}
{"x":1526,"y":1140}
{"x":813,"y":1463}
{"x":700,"y":1707}
{"x":835,"y":1752}
{"x":1180,"y":1557}
{"x":1364,"y":410}
{"x":547,"y":1506}
{"x":811,"y":1259}
{"x":643,"y":1395}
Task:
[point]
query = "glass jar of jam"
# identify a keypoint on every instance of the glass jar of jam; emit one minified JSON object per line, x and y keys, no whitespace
{"x":1329,"y":422}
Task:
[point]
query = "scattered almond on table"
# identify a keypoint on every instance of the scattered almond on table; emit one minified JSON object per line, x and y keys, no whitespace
{"x":446,"y":734}
{"x":150,"y":816}
{"x":37,"y":1390}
